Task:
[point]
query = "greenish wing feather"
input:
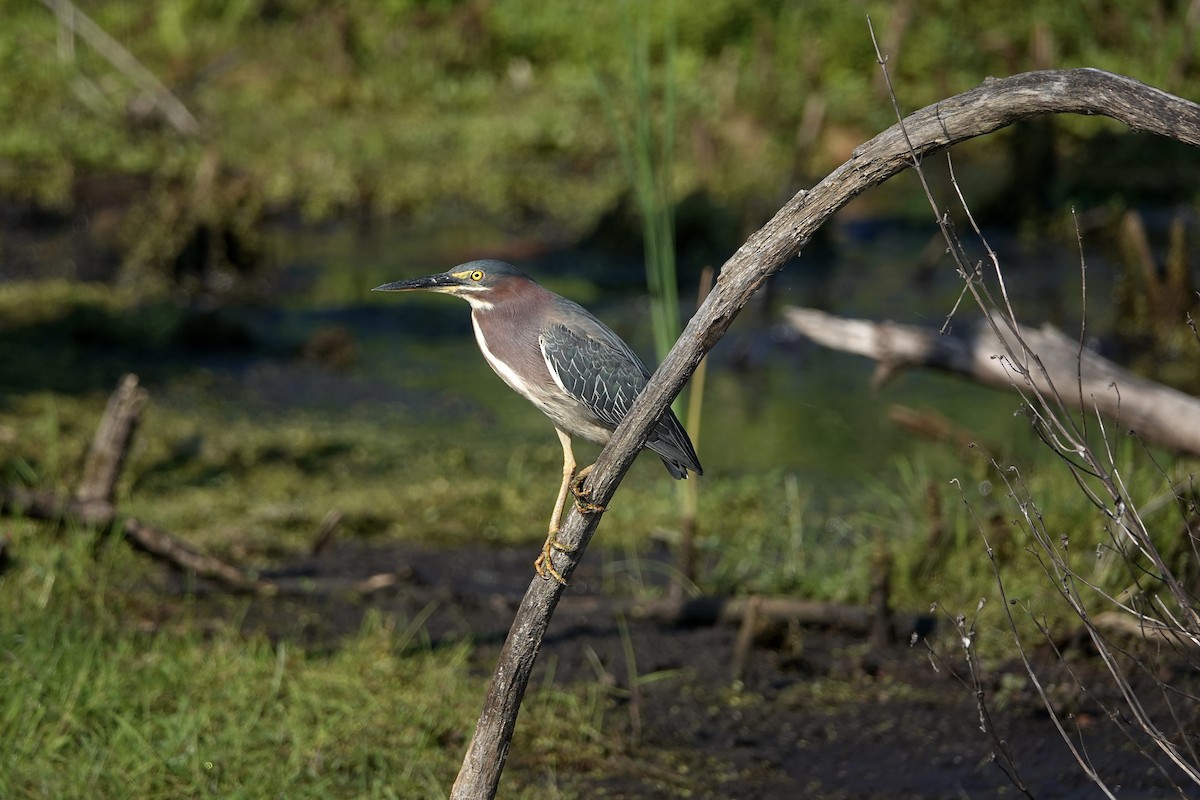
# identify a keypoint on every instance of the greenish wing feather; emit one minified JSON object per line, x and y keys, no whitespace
{"x":603,"y":375}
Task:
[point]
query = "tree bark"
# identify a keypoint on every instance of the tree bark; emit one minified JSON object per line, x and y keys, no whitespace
{"x":993,"y":105}
{"x":106,"y":457}
{"x":1084,"y":380}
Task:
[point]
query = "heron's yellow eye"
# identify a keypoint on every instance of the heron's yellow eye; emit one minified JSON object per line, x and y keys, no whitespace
{"x":477,"y":275}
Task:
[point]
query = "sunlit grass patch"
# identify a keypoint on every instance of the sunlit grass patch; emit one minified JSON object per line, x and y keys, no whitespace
{"x":107,"y":696}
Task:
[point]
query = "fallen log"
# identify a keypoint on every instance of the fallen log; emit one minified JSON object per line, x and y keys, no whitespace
{"x":713,"y":610}
{"x":1083,"y":380}
{"x":91,"y":504}
{"x":181,"y":555}
{"x":21,"y":501}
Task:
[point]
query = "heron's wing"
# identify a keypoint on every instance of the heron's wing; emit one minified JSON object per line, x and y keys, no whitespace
{"x":596,"y":368}
{"x":593,"y":365}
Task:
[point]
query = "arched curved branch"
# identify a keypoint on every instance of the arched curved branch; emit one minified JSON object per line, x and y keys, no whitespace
{"x":991,"y":106}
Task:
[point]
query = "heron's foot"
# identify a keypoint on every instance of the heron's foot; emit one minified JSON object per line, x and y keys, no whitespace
{"x":583,"y":497}
{"x":544,"y":566}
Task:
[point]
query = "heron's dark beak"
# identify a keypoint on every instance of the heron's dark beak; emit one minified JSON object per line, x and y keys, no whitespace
{"x":443,"y":282}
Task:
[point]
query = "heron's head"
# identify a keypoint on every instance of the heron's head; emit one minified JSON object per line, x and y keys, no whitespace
{"x":480,"y":283}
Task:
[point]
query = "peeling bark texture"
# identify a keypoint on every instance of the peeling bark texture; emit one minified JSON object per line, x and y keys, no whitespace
{"x":992,"y":105}
{"x":1084,"y":380}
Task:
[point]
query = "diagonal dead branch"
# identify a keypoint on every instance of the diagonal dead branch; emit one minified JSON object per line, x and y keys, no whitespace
{"x":989,"y":107}
{"x":175,"y":551}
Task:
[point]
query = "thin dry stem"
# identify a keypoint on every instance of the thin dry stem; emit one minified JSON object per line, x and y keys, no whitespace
{"x":1067,"y":436}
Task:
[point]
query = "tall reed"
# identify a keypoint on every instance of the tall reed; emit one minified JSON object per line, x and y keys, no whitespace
{"x":645,"y":135}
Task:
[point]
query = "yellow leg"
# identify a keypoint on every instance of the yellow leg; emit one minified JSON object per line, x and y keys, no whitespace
{"x":543,"y":564}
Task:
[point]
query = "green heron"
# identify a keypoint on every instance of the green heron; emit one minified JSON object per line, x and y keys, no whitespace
{"x":562,"y":359}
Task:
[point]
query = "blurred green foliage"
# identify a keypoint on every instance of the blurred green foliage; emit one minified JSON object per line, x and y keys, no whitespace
{"x":400,"y":107}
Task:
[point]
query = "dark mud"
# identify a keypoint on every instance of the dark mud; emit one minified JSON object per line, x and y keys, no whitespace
{"x":817,"y":713}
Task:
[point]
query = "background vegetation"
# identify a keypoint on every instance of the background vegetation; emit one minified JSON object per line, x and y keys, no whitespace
{"x":492,"y":107}
{"x":489,"y":122}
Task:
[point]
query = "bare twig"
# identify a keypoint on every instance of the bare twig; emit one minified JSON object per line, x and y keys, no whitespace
{"x":1052,"y":557}
{"x":973,"y":683}
{"x":1068,"y":438}
{"x":1084,"y":763}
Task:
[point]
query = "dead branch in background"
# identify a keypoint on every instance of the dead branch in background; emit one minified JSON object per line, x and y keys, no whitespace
{"x":92,"y":505}
{"x":1157,"y":599}
{"x":181,"y":555}
{"x":106,"y":456}
{"x":936,"y":427}
{"x":172,"y":109}
{"x":1159,"y":414}
{"x":989,"y":107}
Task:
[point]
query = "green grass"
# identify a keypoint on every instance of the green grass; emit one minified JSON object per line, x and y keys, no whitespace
{"x":99,"y":705}
{"x":111,"y":688}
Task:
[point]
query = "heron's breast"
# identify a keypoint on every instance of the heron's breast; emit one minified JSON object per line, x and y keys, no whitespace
{"x":511,"y":348}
